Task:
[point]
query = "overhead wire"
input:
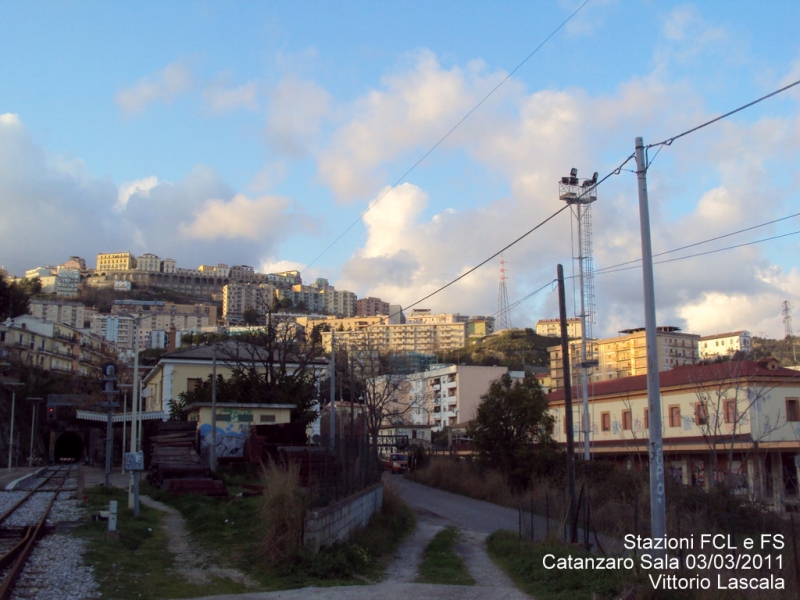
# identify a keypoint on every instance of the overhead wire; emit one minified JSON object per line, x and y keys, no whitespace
{"x":447,"y":135}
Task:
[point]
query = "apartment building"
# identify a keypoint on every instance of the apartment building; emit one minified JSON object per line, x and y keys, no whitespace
{"x":444,"y":395}
{"x":67,"y":282}
{"x":724,"y":344}
{"x":238,"y":297}
{"x":626,"y":355}
{"x":59,"y":311}
{"x":408,"y":337}
{"x":55,"y":346}
{"x":40,"y":272}
{"x":370,"y":307}
{"x":480,"y":327}
{"x":115,"y":261}
{"x":423,"y":316}
{"x":150,"y":322}
{"x":736,"y":423}
{"x":552,"y":328}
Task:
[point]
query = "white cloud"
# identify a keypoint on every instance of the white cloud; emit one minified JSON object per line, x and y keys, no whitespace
{"x":222,"y":99}
{"x":163,"y":86}
{"x":240,"y":217}
{"x":413,"y":110}
{"x":139,"y":186}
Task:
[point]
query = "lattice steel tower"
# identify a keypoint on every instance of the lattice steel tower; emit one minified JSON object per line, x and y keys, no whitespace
{"x":787,"y":326}
{"x":581,"y":195}
{"x":502,"y":298}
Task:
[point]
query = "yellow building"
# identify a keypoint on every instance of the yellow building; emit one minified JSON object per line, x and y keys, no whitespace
{"x":410,"y":337}
{"x":115,"y":261}
{"x":626,"y":355}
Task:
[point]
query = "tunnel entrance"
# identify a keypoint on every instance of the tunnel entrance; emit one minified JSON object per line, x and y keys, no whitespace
{"x":69,"y":446}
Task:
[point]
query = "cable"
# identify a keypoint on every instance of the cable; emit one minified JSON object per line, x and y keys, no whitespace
{"x":661,"y":262}
{"x":447,"y":135}
{"x":668,"y":141}
{"x":701,"y":242}
{"x":496,"y":254}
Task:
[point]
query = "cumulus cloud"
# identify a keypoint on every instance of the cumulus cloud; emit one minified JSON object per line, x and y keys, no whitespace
{"x":139,"y":186}
{"x":413,"y":110}
{"x":239,"y":217}
{"x":163,"y":86}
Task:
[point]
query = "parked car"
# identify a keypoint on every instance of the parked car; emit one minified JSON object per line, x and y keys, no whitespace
{"x":396,"y":463}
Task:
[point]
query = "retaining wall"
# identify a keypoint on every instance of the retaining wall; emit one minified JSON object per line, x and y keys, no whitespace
{"x":338,"y":521}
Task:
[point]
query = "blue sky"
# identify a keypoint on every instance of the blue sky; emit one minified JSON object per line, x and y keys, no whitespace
{"x":255,"y":133}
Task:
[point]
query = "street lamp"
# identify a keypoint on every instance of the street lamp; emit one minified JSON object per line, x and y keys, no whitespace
{"x":13,"y":386}
{"x":35,"y":404}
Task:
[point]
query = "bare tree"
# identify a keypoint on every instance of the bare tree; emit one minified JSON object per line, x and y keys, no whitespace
{"x":726,"y":396}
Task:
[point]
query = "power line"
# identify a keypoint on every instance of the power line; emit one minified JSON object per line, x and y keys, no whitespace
{"x":447,"y":135}
{"x":613,"y":269}
{"x":668,"y":141}
{"x":714,"y":239}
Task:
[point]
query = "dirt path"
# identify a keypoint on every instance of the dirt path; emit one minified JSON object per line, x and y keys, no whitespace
{"x":193,"y":563}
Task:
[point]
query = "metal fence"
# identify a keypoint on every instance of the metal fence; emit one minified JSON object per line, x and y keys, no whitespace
{"x":334,"y":473}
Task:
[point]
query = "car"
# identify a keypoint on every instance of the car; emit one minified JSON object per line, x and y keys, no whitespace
{"x":396,"y":463}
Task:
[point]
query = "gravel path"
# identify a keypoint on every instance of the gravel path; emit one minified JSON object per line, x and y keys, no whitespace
{"x":194,"y":565}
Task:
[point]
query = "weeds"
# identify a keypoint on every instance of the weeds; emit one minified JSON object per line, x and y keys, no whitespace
{"x":441,"y":564}
{"x":282,"y":511}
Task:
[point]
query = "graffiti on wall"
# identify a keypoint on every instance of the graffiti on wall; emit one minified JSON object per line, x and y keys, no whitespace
{"x":233,"y":426}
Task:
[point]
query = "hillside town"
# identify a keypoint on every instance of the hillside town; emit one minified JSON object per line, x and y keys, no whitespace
{"x":368,"y":300}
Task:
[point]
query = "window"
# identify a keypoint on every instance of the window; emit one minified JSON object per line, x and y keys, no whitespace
{"x":646,"y":418}
{"x":192,"y":384}
{"x":730,"y":411}
{"x":792,"y":409}
{"x":267,"y":418}
{"x":605,"y":421}
{"x":675,"y":416}
{"x":701,"y":413}
{"x":627,"y":420}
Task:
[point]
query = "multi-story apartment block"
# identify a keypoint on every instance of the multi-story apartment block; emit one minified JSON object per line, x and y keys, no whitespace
{"x":339,"y":302}
{"x":238,"y":297}
{"x":115,"y":261}
{"x":76,"y":263}
{"x":142,"y":319}
{"x":734,"y":423}
{"x":370,"y":307}
{"x":409,"y":337}
{"x":67,"y":282}
{"x":55,"y":346}
{"x":552,"y":328}
{"x":725,"y":344}
{"x":445,"y":395}
{"x":40,"y":272}
{"x":424,"y":316}
{"x":626,"y":355}
{"x":148,"y":262}
{"x":59,"y":311}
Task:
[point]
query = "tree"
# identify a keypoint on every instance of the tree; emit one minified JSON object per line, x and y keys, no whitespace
{"x":14,"y":299}
{"x":512,"y":430}
{"x":250,"y":316}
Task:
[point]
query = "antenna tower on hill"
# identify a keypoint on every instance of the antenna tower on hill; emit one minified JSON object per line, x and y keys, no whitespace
{"x":787,"y":326}
{"x":502,"y":298}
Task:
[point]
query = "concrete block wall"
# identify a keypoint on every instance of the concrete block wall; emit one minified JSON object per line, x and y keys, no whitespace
{"x":338,"y":521}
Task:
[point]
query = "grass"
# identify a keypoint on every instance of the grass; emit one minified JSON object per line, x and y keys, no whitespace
{"x":523,"y":562}
{"x":136,"y":563}
{"x":441,"y":564}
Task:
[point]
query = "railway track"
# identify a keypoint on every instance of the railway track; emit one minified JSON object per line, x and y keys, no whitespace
{"x":28,"y":515}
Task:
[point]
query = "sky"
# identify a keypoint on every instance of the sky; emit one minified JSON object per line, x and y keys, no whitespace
{"x":391,"y":146}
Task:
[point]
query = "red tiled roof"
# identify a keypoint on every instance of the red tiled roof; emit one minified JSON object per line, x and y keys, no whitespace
{"x":687,"y":375}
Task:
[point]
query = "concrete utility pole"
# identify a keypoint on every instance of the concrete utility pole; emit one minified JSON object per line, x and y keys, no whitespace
{"x":658,"y":501}
{"x":34,"y":404}
{"x":212,"y":451}
{"x":332,"y":422}
{"x":562,"y":310}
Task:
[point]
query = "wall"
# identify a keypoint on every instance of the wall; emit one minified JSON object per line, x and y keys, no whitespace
{"x":337,"y":522}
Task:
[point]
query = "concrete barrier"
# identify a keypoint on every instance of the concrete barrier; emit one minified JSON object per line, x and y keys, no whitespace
{"x":338,"y":521}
